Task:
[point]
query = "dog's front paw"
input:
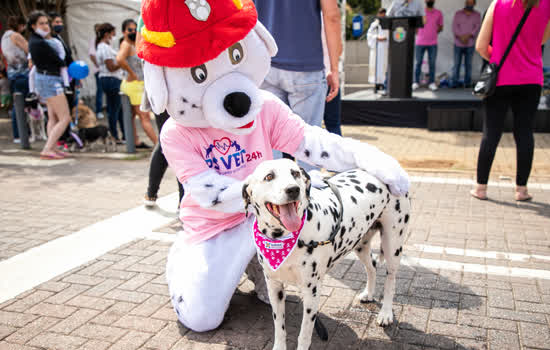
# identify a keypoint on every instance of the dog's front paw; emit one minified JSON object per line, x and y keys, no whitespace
{"x":385,"y":317}
{"x":364,"y":298}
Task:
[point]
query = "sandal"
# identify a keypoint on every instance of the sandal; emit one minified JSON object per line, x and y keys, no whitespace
{"x":480,"y":192}
{"x":522,"y":195}
{"x":62,"y":154}
{"x":51,"y":156}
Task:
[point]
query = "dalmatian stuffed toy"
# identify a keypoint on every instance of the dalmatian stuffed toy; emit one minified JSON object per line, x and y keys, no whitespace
{"x":204,"y":63}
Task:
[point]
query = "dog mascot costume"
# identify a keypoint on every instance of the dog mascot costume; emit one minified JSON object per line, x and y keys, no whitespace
{"x":204,"y":63}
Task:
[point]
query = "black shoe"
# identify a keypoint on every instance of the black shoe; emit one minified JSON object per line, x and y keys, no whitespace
{"x":143,"y":145}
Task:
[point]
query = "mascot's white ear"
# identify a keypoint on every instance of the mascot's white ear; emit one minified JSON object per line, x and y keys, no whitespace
{"x":155,"y":85}
{"x":266,"y":37}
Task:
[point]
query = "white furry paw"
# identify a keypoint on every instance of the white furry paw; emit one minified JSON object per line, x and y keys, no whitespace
{"x":365,"y":298}
{"x":385,"y":317}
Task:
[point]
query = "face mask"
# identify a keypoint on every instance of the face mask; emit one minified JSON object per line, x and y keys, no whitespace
{"x":430,"y":4}
{"x":59,"y":28}
{"x":42,"y":33}
{"x":132,"y":36}
{"x":469,"y":8}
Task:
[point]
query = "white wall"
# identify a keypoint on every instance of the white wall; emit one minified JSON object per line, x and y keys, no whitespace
{"x":81,"y":16}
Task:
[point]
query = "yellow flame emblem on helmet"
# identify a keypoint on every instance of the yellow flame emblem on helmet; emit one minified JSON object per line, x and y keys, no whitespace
{"x":162,"y":39}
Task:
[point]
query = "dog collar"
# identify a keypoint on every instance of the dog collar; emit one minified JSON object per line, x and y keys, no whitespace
{"x":275,"y":252}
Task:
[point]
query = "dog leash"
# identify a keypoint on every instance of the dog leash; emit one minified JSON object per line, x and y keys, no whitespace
{"x":330,"y":240}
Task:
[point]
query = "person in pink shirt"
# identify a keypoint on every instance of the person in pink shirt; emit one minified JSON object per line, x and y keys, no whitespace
{"x":426,"y":40}
{"x":466,"y":25}
{"x":519,"y":84}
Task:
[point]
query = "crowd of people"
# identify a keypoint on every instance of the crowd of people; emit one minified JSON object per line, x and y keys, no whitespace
{"x":35,"y":60}
{"x":465,"y":28}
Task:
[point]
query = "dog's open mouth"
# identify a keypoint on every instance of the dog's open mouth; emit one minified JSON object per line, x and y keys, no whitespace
{"x":287,"y":214}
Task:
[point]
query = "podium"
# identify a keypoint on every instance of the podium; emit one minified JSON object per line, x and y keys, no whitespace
{"x":401,"y":54}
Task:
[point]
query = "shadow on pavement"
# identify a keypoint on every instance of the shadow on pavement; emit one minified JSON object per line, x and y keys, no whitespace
{"x":539,"y":208}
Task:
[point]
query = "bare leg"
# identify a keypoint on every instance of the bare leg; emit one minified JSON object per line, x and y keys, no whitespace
{"x":134,"y":113}
{"x":145,"y":119}
{"x":57,"y":104}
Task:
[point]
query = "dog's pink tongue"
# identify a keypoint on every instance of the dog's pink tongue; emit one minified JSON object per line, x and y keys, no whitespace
{"x":289,"y":218}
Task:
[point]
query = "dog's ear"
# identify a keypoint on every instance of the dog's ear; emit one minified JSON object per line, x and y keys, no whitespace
{"x":308,"y":181}
{"x":246,"y":198}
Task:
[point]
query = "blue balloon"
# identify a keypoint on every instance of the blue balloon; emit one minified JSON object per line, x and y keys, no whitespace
{"x":78,"y":70}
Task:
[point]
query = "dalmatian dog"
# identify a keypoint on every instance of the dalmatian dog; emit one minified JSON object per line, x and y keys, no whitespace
{"x":355,"y":206}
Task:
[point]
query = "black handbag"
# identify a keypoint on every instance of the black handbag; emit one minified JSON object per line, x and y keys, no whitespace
{"x":487,"y":82}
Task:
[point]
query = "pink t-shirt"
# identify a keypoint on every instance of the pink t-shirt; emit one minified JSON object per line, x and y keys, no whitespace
{"x":427,"y":36}
{"x":191,"y":151}
{"x":524,"y":63}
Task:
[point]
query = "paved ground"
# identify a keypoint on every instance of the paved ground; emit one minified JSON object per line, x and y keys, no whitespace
{"x":475,"y":275}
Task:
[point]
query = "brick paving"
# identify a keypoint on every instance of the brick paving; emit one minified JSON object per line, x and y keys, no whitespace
{"x":120,"y":300}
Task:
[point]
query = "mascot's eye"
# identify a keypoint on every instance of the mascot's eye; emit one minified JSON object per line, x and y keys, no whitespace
{"x":199,"y":73}
{"x":236,"y":53}
{"x":269,"y":177}
{"x":295,"y":174}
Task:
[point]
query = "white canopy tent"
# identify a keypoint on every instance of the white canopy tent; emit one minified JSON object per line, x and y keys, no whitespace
{"x":445,"y":50}
{"x":81,"y":15}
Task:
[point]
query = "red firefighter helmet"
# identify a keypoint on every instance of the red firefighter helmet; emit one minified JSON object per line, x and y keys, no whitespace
{"x":188,"y":33}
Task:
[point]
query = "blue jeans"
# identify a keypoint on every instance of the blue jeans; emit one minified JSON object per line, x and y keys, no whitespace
{"x":333,"y":111}
{"x":18,"y":83}
{"x":303,"y":92}
{"x":111,"y":87}
{"x":432,"y":56}
{"x":468,"y":53}
{"x":98,"y":95}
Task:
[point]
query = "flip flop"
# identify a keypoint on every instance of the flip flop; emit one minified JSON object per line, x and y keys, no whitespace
{"x":474,"y":194}
{"x":523,"y":197}
{"x":51,"y":156}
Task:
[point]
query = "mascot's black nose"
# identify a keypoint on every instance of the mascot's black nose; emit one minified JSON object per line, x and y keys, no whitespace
{"x":237,"y":104}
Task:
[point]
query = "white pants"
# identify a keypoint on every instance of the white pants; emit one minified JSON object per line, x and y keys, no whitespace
{"x":203,"y":277}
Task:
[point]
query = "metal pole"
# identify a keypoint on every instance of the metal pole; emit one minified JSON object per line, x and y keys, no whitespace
{"x":19,"y":105}
{"x":127,"y":121}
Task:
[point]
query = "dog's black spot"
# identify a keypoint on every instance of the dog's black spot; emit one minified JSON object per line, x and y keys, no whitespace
{"x":325,"y":212}
{"x":400,"y":219}
{"x":401,"y":233}
{"x":359,"y":189}
{"x":313,"y":318}
{"x":306,"y":152}
{"x":380,"y":191}
{"x":314,"y":290}
{"x":312,"y":275}
{"x":329,"y":262}
{"x":371,"y":187}
{"x":318,"y":226}
{"x":274,"y":316}
{"x":178,"y":312}
{"x":184,"y":100}
{"x":308,"y":311}
{"x":310,"y":249}
{"x":194,"y":106}
{"x":355,"y":181}
{"x":301,"y":245}
{"x":313,"y":266}
{"x":309,"y":285}
{"x":343,"y":231}
{"x":208,"y":185}
{"x":398,"y":205}
{"x":373,"y":263}
{"x":309,"y":215}
{"x":340,"y":245}
{"x":324,"y":154}
{"x":353,"y":199}
{"x":180,"y":299}
{"x":182,"y":112}
{"x":381,"y":251}
{"x":397,"y":252}
{"x":351,"y":176}
{"x":283,"y":327}
{"x":280,"y":295}
{"x":406,"y":218}
{"x":310,"y":206}
{"x":359,"y":249}
{"x":341,"y":180}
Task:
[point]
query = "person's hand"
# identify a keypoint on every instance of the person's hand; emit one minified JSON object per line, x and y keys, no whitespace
{"x":382,"y":39}
{"x":333,"y":82}
{"x":131,"y":77}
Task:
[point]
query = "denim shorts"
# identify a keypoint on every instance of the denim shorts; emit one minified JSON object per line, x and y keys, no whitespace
{"x":48,"y":85}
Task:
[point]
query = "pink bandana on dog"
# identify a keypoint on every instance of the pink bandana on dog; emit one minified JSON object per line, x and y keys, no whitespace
{"x":276,"y":251}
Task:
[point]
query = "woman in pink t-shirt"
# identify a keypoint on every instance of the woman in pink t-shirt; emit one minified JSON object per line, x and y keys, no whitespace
{"x":518,"y":85}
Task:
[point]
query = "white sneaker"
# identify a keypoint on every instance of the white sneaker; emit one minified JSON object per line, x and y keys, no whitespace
{"x":432,"y":87}
{"x":100,"y":115}
{"x":415,"y":86}
{"x":16,"y":140}
{"x":149,"y":201}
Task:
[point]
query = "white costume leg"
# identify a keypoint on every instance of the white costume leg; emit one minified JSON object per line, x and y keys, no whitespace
{"x":203,"y":277}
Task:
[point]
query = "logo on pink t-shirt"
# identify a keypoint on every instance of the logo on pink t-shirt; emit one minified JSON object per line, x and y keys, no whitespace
{"x":227,"y":156}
